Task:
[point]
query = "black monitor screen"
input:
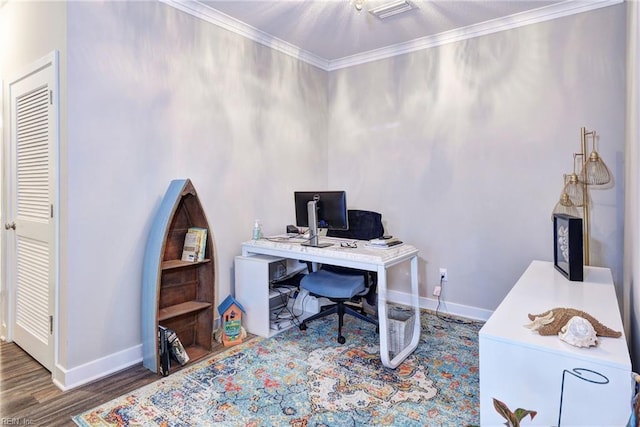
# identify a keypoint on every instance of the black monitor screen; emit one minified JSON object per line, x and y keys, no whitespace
{"x":331,"y":205}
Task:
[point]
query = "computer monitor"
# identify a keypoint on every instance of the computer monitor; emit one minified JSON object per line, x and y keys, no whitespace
{"x":321,"y":209}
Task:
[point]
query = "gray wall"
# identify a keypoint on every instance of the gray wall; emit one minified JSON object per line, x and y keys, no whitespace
{"x":157,"y":95}
{"x":461,"y":147}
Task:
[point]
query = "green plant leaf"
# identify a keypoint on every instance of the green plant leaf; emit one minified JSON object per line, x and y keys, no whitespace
{"x":513,"y":418}
{"x":521,"y":413}
{"x":506,"y":413}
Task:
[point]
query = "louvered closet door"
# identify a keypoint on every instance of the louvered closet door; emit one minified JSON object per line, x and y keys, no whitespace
{"x":30,"y":225}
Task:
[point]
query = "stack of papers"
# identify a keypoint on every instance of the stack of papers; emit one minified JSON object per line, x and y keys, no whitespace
{"x":384,"y":243}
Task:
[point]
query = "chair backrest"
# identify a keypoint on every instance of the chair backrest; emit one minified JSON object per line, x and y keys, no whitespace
{"x":363,"y":225}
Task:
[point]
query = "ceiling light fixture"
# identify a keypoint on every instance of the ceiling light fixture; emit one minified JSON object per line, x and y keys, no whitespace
{"x":393,"y":8}
{"x":358,"y":4}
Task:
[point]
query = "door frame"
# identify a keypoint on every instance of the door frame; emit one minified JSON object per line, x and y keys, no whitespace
{"x":4,"y":297}
{"x":7,"y":303}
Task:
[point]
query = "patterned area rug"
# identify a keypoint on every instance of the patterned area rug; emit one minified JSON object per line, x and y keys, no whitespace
{"x":307,"y":379}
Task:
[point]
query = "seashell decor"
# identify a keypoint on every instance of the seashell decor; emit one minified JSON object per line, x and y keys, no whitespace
{"x":578,"y":332}
{"x":551,"y":321}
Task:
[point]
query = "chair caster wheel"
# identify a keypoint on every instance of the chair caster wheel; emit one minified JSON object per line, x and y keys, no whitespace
{"x":303,"y":326}
{"x":341,"y":340}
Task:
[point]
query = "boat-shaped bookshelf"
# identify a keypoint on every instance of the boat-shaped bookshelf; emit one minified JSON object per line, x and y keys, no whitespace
{"x":177,"y":294}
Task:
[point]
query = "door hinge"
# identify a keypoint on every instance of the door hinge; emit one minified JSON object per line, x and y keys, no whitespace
{"x":50,"y":97}
{"x":51,"y":211}
{"x":51,"y":324}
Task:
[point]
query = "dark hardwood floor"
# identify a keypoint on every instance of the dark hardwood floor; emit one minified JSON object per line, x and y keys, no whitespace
{"x":29,"y":397}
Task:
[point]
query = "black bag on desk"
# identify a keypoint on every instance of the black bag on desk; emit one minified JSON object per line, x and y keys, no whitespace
{"x":363,"y":225}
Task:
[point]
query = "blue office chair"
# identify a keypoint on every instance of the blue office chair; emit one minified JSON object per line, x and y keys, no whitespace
{"x":342,"y":285}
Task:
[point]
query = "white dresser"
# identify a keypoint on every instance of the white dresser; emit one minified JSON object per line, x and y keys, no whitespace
{"x":526,"y":370}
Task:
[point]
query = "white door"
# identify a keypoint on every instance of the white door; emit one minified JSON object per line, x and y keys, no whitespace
{"x":29,"y":220}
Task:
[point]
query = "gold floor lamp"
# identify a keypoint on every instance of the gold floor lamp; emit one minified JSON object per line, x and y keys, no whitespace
{"x":575,"y":193}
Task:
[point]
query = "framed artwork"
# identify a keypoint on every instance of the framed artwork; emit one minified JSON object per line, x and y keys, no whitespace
{"x":567,"y":246}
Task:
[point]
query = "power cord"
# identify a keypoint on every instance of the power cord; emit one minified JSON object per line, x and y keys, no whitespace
{"x":297,"y":321}
{"x":285,"y":313}
{"x":447,"y":318}
{"x":439,"y":295}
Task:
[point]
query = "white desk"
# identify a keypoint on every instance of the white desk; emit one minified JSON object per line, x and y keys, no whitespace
{"x":524,"y":369}
{"x":363,"y":258}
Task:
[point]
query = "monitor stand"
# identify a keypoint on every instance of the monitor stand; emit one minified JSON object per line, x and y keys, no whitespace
{"x":312,"y":215}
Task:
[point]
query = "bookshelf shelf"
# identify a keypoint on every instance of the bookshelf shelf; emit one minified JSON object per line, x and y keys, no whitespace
{"x":176,"y":263}
{"x":197,"y":353}
{"x":177,"y":294}
{"x":182,"y":308}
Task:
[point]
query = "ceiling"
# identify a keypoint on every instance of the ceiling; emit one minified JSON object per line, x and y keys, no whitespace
{"x":332,"y":34}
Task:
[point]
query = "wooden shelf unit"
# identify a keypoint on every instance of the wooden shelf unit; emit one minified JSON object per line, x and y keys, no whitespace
{"x":177,"y":294}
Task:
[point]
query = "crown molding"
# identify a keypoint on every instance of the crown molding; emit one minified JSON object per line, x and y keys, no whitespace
{"x":225,"y":21}
{"x":547,"y":13}
{"x":542,"y":14}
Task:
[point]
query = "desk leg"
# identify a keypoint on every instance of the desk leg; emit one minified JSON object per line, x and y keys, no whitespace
{"x":383,"y":317}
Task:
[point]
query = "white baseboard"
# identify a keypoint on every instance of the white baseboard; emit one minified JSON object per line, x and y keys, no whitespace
{"x":448,"y":308}
{"x":66,"y":379}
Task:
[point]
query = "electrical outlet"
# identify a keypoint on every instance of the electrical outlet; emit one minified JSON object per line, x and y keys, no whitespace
{"x":437,"y":290}
{"x":443,"y":274}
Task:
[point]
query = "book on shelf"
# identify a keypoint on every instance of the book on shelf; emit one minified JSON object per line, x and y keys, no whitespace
{"x":384,"y":243}
{"x":195,"y":244}
{"x":163,"y":349}
{"x":170,"y":347}
{"x":176,"y":348}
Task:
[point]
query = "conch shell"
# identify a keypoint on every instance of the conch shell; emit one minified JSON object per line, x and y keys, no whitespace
{"x":578,"y":332}
{"x":551,"y":321}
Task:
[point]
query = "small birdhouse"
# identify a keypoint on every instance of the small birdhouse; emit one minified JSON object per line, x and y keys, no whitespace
{"x":231,"y":321}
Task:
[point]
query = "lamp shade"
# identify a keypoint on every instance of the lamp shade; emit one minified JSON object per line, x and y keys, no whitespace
{"x":564,"y":206}
{"x":595,"y":172}
{"x":574,"y":189}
